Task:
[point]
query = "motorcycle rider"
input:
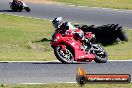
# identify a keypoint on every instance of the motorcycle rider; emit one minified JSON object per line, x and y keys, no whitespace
{"x":19,"y":5}
{"x":17,"y":2}
{"x":64,"y":27}
{"x":67,"y":29}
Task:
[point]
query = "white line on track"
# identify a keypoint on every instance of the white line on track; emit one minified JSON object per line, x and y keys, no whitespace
{"x":52,"y":61}
{"x":29,"y":61}
{"x":52,"y":83}
{"x":108,"y":9}
{"x":26,"y":17}
{"x":49,"y":83}
{"x":118,"y":60}
{"x":114,"y":9}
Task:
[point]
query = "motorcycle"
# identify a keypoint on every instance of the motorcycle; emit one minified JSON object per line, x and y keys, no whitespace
{"x":19,"y":6}
{"x":67,"y":49}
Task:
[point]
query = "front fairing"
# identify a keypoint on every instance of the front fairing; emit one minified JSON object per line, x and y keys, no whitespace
{"x":59,"y":39}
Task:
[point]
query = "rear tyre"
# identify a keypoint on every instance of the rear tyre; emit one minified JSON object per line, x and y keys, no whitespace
{"x":64,"y":57}
{"x":100,"y":55}
{"x":122,"y":35}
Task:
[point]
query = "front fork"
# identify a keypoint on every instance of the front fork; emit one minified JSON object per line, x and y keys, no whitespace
{"x":63,"y":48}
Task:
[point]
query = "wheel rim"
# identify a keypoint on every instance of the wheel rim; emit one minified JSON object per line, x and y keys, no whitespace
{"x":67,"y":55}
{"x":101,"y":53}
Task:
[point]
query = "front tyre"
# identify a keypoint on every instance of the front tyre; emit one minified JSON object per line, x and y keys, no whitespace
{"x":27,"y":9}
{"x":100,"y":54}
{"x":64,"y":56}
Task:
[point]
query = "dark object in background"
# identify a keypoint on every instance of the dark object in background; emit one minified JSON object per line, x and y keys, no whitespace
{"x":19,"y":6}
{"x":106,"y":34}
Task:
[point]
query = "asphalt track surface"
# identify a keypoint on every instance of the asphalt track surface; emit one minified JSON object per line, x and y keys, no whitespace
{"x":54,"y":72}
{"x":83,"y":15}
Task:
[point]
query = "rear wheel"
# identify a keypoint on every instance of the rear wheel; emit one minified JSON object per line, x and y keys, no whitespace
{"x":122,"y":35}
{"x":64,"y":56}
{"x":100,"y":54}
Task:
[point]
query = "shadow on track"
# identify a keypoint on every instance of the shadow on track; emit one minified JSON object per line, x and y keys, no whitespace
{"x":1,"y":10}
{"x":6,"y":11}
{"x":59,"y":63}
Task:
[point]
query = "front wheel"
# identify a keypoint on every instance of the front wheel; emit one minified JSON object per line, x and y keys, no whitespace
{"x":64,"y":56}
{"x":27,"y":9}
{"x":100,"y":54}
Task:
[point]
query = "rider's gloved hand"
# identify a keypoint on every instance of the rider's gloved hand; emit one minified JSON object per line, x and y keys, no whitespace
{"x":92,"y":37}
{"x":85,"y":40}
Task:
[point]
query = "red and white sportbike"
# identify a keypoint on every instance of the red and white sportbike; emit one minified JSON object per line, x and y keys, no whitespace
{"x":68,"y":49}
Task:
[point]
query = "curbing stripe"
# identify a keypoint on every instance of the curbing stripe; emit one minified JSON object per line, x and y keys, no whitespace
{"x":28,"y":61}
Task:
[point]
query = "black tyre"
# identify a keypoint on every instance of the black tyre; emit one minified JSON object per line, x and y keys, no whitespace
{"x":64,"y":57}
{"x":27,"y":9}
{"x":100,"y":54}
{"x":123,"y":35}
{"x":107,"y":34}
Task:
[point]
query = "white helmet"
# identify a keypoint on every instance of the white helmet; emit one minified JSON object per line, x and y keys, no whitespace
{"x":57,"y":22}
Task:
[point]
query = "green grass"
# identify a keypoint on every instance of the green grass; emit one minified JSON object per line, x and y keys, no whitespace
{"x":118,"y":4}
{"x":70,"y":86}
{"x":122,"y":50}
{"x":20,"y":38}
{"x":27,"y":39}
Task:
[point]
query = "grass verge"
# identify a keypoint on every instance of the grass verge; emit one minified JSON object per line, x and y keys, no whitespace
{"x":117,"y":4}
{"x":71,"y":86}
{"x":28,"y":39}
{"x":24,"y":38}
